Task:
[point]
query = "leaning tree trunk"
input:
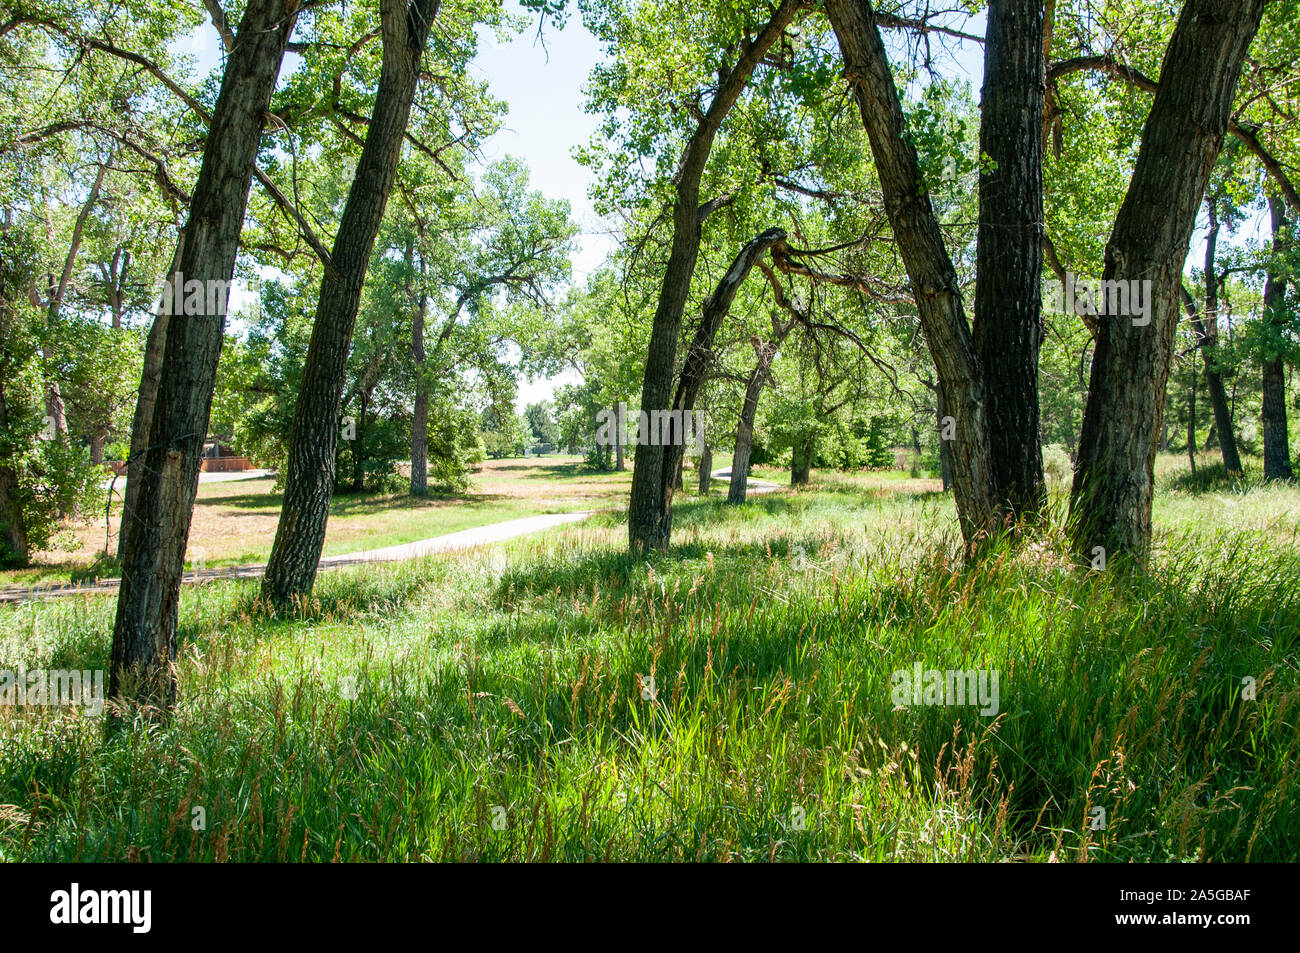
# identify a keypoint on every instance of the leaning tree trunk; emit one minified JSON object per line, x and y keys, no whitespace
{"x":653,"y":470}
{"x":1113,"y":483}
{"x":929,"y":269}
{"x":766,"y":352}
{"x":1206,"y":329}
{"x":313,"y":444}
{"x":1008,"y":322}
{"x":1277,"y":450}
{"x":699,"y":356}
{"x":144,"y":632}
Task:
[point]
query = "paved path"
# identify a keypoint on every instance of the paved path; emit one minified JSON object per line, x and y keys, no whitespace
{"x":751,"y":485}
{"x":204,"y":477}
{"x":465,"y":539}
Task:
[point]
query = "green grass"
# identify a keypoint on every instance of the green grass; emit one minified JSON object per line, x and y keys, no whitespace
{"x":512,"y":679}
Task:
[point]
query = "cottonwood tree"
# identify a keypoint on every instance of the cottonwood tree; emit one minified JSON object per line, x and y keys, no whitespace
{"x":719,"y":49}
{"x":309,"y":484}
{"x":144,"y":632}
{"x":1114,"y":481}
{"x":1182,"y":134}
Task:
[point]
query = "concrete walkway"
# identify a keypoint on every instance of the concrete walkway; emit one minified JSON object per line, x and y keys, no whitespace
{"x":465,"y":539}
{"x":751,"y":485}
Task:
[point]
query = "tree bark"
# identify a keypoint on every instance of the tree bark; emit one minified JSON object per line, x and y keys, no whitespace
{"x":144,"y":632}
{"x":309,"y":485}
{"x":1191,"y":421}
{"x":1008,"y":323}
{"x":650,"y":510}
{"x":706,"y":469}
{"x":1277,"y":450}
{"x":929,"y":269}
{"x":1112,"y":492}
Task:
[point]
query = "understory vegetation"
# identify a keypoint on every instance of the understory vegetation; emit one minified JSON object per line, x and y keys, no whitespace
{"x":730,"y":699}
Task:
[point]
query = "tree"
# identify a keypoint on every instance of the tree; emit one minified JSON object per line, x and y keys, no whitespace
{"x":1112,"y":493}
{"x":1277,"y":451}
{"x":309,"y":485}
{"x":144,"y":632}
{"x":650,"y":511}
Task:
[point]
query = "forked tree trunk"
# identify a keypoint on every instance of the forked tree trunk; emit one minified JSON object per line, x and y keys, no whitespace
{"x":313,"y":444}
{"x":144,"y":632}
{"x":650,"y":510}
{"x":1008,"y":323}
{"x":1113,"y":483}
{"x":699,"y":356}
{"x":929,"y":269}
{"x":1277,"y":449}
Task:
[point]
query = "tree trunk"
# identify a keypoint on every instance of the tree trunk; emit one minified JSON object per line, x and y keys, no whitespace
{"x":618,"y":435}
{"x":1206,"y":328}
{"x":1113,"y":484}
{"x":144,"y":632}
{"x":801,"y":461}
{"x":1191,"y":420}
{"x":14,"y":545}
{"x":420,"y":414}
{"x":359,"y":445}
{"x":154,"y":348}
{"x":706,"y":469}
{"x":766,"y":352}
{"x":650,"y":510}
{"x":929,"y":269}
{"x":1277,"y":450}
{"x":309,"y":484}
{"x":699,"y":356}
{"x":945,"y":453}
{"x":1008,"y":323}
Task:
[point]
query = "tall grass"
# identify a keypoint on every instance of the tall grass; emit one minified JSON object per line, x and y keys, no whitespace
{"x":499,"y":705}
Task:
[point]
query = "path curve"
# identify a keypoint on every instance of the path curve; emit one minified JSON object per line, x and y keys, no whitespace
{"x":751,"y":485}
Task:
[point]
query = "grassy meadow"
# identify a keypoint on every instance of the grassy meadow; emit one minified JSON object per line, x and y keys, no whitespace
{"x":554,"y":699}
